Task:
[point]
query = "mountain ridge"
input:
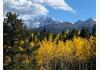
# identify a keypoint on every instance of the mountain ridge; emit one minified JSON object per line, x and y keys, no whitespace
{"x":56,"y":26}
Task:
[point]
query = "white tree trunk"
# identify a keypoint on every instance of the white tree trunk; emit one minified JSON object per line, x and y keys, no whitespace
{"x":79,"y":66}
{"x":55,"y":64}
{"x":86,"y":67}
{"x":91,"y":65}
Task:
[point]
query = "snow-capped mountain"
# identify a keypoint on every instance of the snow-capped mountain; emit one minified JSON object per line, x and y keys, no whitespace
{"x":56,"y":26}
{"x":40,"y":21}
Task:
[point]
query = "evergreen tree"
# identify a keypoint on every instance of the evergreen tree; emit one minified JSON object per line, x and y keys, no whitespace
{"x":84,"y":33}
{"x":13,"y":27}
{"x":73,"y":33}
{"x":64,"y":35}
{"x":94,"y":30}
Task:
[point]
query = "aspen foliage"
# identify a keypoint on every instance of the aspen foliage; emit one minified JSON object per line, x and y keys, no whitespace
{"x":78,"y":49}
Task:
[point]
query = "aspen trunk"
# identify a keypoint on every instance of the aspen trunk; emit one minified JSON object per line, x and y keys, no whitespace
{"x":91,"y":65}
{"x":65,"y":66}
{"x":55,"y":65}
{"x":79,"y":66}
{"x":61,"y":64}
{"x":86,"y":67}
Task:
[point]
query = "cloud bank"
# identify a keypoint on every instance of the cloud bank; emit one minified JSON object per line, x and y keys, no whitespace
{"x":29,"y":8}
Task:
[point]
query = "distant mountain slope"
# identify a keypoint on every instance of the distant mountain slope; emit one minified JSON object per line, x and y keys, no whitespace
{"x":39,"y":22}
{"x":55,"y":26}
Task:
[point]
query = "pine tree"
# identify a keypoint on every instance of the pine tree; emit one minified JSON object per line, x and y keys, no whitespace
{"x":84,"y":33}
{"x":94,"y":30}
{"x":12,"y":28}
